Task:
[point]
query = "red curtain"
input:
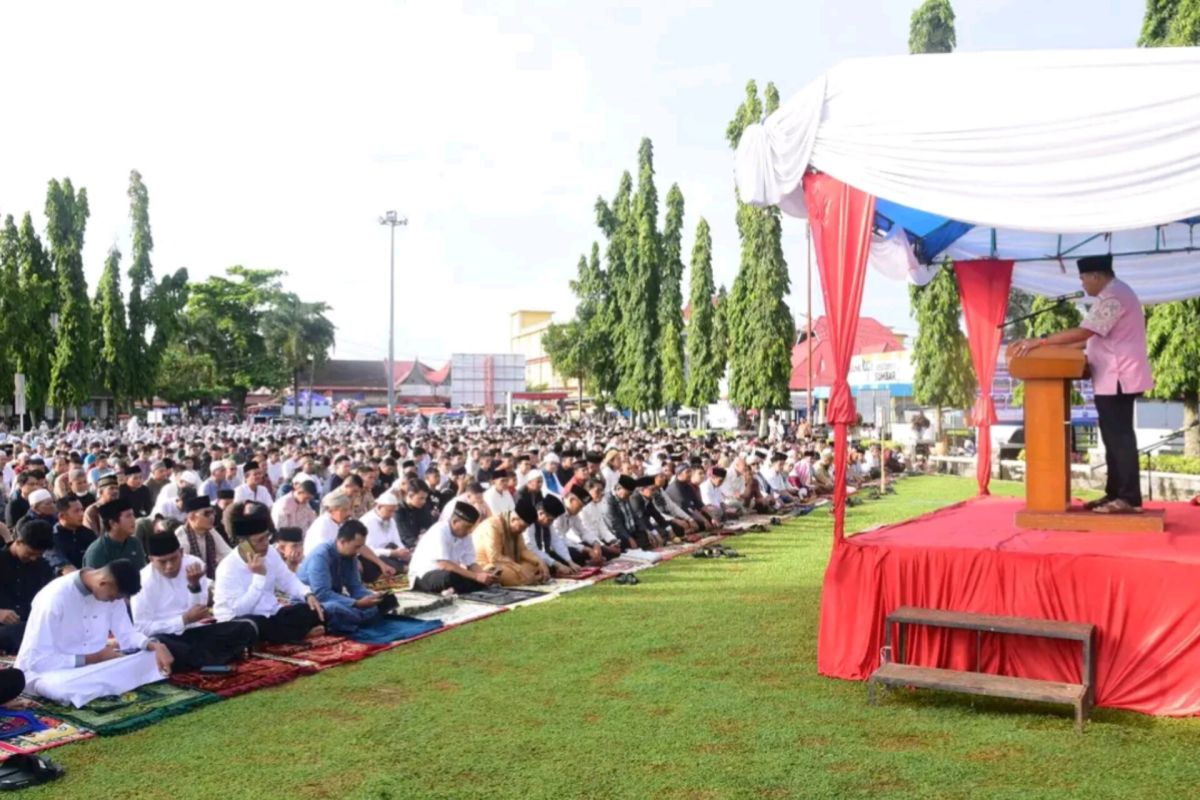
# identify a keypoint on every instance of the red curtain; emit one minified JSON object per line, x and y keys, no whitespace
{"x":983,"y":287}
{"x":841,"y":218}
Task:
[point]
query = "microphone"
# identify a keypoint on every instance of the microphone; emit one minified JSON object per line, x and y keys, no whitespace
{"x":1062,"y":298}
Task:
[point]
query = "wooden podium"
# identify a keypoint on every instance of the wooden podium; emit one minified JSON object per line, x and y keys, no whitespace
{"x":1048,"y":372}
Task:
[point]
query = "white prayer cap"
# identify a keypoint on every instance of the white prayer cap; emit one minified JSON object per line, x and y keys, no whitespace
{"x":301,"y":477}
{"x":653,"y":470}
{"x":387,"y":499}
{"x":551,"y":457}
{"x":827,"y":452}
{"x":39,"y":496}
{"x":190,"y":478}
{"x":400,"y":485}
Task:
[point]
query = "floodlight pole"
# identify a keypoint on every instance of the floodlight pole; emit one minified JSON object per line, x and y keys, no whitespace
{"x":391,"y":219}
{"x":809,"y":337}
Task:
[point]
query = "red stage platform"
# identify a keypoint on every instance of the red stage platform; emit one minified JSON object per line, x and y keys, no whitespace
{"x":1142,"y":591}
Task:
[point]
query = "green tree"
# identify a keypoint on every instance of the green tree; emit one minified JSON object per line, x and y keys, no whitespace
{"x":185,"y":377}
{"x":614,"y":220}
{"x":565,"y":346}
{"x":942,"y":372}
{"x":1051,"y":318}
{"x":224,"y":318}
{"x":71,"y":372}
{"x":139,"y":355}
{"x":931,"y":29}
{"x":168,"y":302}
{"x":300,"y":334}
{"x":670,"y":303}
{"x":1173,"y":329}
{"x":761,"y":330}
{"x":706,"y":358}
{"x":1173,"y":339}
{"x":11,"y":311}
{"x":640,"y":387}
{"x":1019,"y":304}
{"x":1171,"y":23}
{"x":38,"y":289}
{"x":112,"y":353}
{"x":721,"y":334}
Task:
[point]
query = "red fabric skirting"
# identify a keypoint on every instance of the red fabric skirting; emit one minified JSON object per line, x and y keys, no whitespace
{"x":1142,"y":591}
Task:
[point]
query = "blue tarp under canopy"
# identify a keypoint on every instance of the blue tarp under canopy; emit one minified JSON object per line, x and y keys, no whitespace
{"x":929,"y":234}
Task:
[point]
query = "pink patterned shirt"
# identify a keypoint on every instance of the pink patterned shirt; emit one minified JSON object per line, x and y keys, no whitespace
{"x":1117,"y":353}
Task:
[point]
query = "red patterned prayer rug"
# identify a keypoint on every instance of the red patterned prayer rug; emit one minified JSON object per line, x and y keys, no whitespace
{"x":248,"y":675}
{"x":320,"y":653}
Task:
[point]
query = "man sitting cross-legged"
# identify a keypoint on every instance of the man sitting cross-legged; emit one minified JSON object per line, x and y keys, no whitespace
{"x":66,"y":656}
{"x":445,"y":556}
{"x":583,"y":544}
{"x":23,"y":573}
{"x":541,"y":537}
{"x":173,"y":606}
{"x":500,"y":547}
{"x":331,"y":571}
{"x":248,"y":578}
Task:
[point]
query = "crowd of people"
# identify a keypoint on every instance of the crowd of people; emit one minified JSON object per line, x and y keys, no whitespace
{"x":131,"y":553}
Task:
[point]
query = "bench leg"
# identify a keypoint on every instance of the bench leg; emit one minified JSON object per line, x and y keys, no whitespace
{"x":871,"y":693}
{"x":1079,"y":705}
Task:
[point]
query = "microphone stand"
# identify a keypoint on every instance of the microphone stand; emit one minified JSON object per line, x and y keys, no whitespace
{"x":1061,"y":301}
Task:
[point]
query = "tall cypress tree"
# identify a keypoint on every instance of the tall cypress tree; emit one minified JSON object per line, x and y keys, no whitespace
{"x":706,"y":359}
{"x":112,"y":361}
{"x":670,"y":303}
{"x":70,"y":373}
{"x":640,"y":387}
{"x":1173,"y":329}
{"x":11,"y":313}
{"x":139,"y":357}
{"x":612,"y":219}
{"x":39,"y":299}
{"x":942,"y":372}
{"x":761,"y":329}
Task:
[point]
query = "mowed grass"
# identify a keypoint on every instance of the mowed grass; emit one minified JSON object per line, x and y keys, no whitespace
{"x":699,"y":683}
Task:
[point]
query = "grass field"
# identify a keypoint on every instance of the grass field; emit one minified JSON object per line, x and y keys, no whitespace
{"x":698,"y":683}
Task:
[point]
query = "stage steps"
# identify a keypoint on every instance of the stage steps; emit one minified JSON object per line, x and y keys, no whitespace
{"x":897,"y":673}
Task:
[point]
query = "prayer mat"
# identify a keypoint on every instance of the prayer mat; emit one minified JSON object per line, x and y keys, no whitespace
{"x":393,"y":630}
{"x":318,"y":654}
{"x":398,"y":583}
{"x":247,"y":675}
{"x":648,"y":556}
{"x":460,"y":612}
{"x":500,"y":596}
{"x":54,"y":732}
{"x":556,"y":586}
{"x":623,"y":564}
{"x":585,"y":573}
{"x":410,"y":603}
{"x":143,"y":706}
{"x":676,"y":550}
{"x":16,"y":723}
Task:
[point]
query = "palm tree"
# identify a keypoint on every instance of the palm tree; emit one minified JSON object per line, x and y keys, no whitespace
{"x":302,"y":336}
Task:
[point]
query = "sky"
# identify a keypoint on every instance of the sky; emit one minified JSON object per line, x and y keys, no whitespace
{"x":274,"y":135}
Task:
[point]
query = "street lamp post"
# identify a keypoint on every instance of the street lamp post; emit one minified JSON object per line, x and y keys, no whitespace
{"x":392,"y":219}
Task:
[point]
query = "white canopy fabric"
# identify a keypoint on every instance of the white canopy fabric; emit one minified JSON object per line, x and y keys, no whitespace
{"x":1079,"y":141}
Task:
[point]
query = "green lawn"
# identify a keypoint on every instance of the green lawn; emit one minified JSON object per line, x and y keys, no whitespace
{"x":698,"y":683}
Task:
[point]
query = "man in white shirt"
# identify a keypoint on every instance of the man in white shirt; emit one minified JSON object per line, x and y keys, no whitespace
{"x":383,"y":537}
{"x":583,"y":544}
{"x":165,"y":505}
{"x":249,"y":577}
{"x":712,"y":498}
{"x":592,"y":517}
{"x":252,"y":488}
{"x":539,"y":535}
{"x":772,"y":474}
{"x":499,"y":496}
{"x":65,"y":654}
{"x":445,"y":556}
{"x":173,"y":605}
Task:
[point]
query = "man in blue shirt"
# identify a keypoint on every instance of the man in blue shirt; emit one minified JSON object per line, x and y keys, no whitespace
{"x":331,"y":573}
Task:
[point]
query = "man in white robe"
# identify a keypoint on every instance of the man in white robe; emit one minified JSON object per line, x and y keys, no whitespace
{"x":66,"y":656}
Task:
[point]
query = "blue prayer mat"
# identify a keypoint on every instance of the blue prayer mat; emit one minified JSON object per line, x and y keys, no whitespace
{"x":395,"y":629}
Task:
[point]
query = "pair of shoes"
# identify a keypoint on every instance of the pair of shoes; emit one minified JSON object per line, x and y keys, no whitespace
{"x":776,"y":521}
{"x":1117,"y":506}
{"x":1092,"y":505}
{"x":627,"y":579}
{"x":803,"y":511}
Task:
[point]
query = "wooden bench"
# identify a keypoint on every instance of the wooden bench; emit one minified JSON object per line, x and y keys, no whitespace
{"x":897,"y":673}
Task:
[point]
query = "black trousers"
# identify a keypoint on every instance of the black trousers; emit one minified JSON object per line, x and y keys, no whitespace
{"x":1120,"y":446}
{"x":372,"y":573}
{"x":439,"y":580}
{"x":289,"y":624}
{"x":210,"y":645}
{"x":12,"y":683}
{"x":11,"y":636}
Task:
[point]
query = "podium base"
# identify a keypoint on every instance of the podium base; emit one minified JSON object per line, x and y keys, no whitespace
{"x":1151,"y":520}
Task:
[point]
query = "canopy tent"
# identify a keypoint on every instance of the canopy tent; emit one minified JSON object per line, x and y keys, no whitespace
{"x":1042,"y":155}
